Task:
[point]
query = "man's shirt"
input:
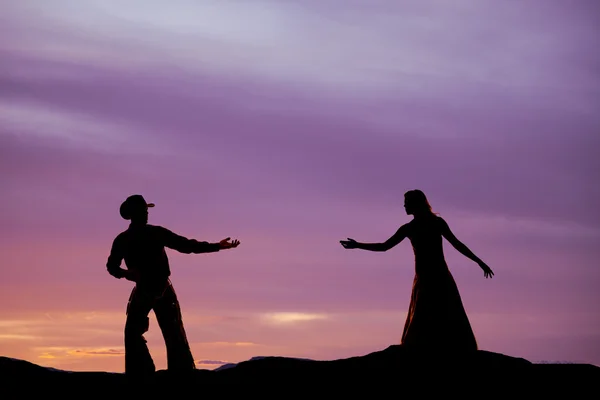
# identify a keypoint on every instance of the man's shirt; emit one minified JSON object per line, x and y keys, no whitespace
{"x":142,"y":247}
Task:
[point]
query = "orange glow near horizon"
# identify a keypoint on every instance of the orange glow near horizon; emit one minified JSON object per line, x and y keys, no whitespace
{"x":93,"y":341}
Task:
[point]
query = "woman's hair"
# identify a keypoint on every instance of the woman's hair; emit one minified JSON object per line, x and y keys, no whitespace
{"x":418,"y":200}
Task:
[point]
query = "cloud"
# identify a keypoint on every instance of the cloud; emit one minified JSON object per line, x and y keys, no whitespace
{"x":97,"y":352}
{"x":210,"y":362}
{"x":60,"y":353}
{"x":40,"y":123}
{"x":384,"y":45}
{"x":16,"y":336}
{"x":226,"y":344}
{"x":356,"y":147}
{"x":285,"y":318}
{"x":65,"y":326}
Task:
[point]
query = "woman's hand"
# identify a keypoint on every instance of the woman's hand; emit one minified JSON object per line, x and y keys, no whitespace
{"x":487,"y":271}
{"x":349,"y":244}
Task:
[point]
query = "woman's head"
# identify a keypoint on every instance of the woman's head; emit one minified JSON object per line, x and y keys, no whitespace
{"x":415,"y":202}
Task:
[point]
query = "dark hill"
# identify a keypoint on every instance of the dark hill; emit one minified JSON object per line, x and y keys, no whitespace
{"x":480,"y":374}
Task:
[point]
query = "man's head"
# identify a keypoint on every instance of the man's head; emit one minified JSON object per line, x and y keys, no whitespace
{"x":135,"y":208}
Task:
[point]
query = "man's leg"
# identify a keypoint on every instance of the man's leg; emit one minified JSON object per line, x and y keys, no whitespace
{"x":138,"y":360}
{"x":168,"y":315}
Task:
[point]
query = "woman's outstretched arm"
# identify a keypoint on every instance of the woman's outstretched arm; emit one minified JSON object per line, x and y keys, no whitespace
{"x":463,"y":249}
{"x":385,"y":246}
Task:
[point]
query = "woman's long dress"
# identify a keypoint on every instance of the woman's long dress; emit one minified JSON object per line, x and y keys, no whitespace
{"x":436,"y":317}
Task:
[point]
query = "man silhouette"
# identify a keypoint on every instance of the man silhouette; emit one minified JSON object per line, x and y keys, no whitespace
{"x":142,"y":247}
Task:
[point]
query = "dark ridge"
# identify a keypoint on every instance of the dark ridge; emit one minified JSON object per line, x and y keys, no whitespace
{"x":394,"y":368}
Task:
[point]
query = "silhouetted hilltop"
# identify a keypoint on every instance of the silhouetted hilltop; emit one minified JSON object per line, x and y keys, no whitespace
{"x":394,"y":368}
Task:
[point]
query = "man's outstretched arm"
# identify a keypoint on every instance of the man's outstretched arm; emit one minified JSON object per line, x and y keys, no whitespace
{"x":188,"y":246}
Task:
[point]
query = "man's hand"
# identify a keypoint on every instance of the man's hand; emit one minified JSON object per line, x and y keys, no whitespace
{"x":226,"y":244}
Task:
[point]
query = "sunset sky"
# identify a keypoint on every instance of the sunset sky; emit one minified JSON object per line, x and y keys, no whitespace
{"x":291,"y":125}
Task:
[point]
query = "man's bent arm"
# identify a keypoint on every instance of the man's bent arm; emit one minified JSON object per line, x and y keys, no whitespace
{"x":113,"y":265}
{"x":185,"y":245}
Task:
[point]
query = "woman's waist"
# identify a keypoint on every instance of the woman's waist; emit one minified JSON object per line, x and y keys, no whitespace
{"x":430,"y":262}
{"x":431,"y":267}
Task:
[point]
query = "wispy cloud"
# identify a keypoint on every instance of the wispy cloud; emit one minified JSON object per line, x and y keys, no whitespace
{"x":285,"y":318}
{"x":98,"y":352}
{"x":16,"y":336}
{"x":210,"y":362}
{"x":358,"y":47}
{"x":227,"y":344}
{"x":57,"y":353}
{"x":38,"y":122}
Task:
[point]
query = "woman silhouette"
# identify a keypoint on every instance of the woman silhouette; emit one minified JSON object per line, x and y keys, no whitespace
{"x":436,"y":317}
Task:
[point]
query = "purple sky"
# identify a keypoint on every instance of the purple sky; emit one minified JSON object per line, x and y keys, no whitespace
{"x":290,"y":126}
